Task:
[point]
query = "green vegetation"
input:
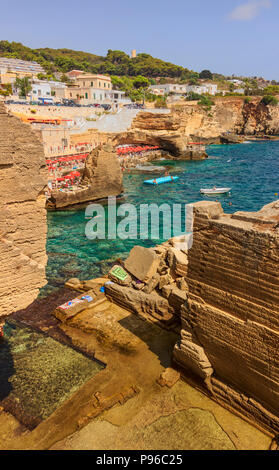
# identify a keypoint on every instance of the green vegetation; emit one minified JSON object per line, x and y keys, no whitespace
{"x":206,"y":102}
{"x":24,"y":86}
{"x":206,"y":74}
{"x":136,"y":88}
{"x":269,"y":100}
{"x":115,"y":63}
{"x":43,"y":76}
{"x":6,"y":89}
{"x":272,"y":90}
{"x":161,"y":102}
{"x":193,"y":96}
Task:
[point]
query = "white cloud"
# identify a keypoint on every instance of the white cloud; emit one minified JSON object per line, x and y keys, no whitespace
{"x":249,"y":10}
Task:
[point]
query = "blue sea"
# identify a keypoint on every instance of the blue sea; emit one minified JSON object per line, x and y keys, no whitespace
{"x":250,"y":169}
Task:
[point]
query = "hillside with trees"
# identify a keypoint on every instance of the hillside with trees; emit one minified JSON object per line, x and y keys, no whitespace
{"x":115,"y":63}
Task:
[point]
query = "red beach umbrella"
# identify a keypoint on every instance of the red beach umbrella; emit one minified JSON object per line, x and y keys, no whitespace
{"x":75,"y":173}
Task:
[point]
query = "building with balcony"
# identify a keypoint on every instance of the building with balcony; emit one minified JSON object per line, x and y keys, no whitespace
{"x":90,"y":89}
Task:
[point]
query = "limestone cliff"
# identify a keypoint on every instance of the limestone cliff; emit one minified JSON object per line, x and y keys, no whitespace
{"x":228,"y":118}
{"x":23,"y":177}
{"x":229,"y":114}
{"x":102,"y":177}
{"x":230,"y":327}
{"x":163,"y":130}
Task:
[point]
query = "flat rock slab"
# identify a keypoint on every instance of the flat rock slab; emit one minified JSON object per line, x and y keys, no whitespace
{"x":142,"y":263}
{"x":71,"y":308}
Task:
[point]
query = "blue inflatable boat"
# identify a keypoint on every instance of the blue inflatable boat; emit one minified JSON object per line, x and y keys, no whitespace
{"x":164,"y":179}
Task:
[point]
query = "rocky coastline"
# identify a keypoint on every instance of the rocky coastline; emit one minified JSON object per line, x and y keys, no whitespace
{"x":222,"y":312}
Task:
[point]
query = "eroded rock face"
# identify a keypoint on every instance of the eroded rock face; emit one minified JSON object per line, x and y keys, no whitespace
{"x":23,"y":228}
{"x":102,"y":178}
{"x":230,"y":114}
{"x":230,"y":326}
{"x":228,"y":120}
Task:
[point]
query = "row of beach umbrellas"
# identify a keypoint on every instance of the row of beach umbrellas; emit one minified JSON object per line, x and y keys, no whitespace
{"x":66,"y":159}
{"x":124,"y":150}
{"x":71,"y":176}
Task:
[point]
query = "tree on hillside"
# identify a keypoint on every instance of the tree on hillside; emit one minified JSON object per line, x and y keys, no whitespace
{"x":206,"y":74}
{"x":117,"y":57}
{"x":193,"y":81}
{"x":24,"y":86}
{"x":141,"y":82}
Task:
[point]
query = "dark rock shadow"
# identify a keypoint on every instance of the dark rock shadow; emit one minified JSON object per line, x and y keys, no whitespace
{"x":159,"y":340}
{"x":6,"y":368}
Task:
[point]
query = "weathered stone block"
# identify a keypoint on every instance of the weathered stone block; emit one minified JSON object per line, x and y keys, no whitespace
{"x":140,"y":302}
{"x":142,"y":263}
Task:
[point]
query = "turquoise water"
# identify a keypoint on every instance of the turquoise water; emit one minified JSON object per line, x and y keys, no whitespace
{"x":250,"y":169}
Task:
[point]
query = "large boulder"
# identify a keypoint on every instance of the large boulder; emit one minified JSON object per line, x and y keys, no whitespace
{"x":142,"y":263}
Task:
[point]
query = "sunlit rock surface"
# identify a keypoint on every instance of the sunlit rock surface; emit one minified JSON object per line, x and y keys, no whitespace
{"x":23,"y":229}
{"x":230,"y":327}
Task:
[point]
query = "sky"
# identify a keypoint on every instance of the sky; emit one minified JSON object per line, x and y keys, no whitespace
{"x":237,"y":37}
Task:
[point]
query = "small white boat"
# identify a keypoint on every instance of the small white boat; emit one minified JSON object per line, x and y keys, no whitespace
{"x":215,"y":191}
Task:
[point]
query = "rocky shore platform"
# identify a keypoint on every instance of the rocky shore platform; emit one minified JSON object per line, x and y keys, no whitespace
{"x":139,"y":401}
{"x":188,"y":339}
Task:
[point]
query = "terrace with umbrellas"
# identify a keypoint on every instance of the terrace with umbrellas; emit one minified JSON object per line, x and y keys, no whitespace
{"x":65,"y":172}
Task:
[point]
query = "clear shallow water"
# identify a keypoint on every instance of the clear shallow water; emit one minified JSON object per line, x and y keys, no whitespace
{"x":37,"y":373}
{"x":250,"y":169}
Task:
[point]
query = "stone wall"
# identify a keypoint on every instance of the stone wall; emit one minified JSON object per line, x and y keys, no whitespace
{"x":230,"y":321}
{"x":23,"y":228}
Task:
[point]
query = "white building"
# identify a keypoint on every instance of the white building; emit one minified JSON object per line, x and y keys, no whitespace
{"x":206,"y":88}
{"x":167,"y":88}
{"x":176,"y":89}
{"x":41,"y":91}
{"x":236,"y":81}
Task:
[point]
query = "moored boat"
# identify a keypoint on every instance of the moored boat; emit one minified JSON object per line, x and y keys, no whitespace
{"x":215,"y":191}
